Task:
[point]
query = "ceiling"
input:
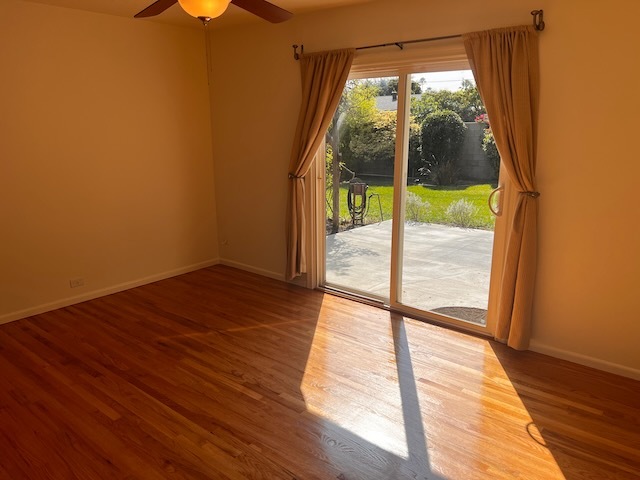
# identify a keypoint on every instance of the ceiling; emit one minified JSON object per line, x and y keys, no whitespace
{"x":176,"y":16}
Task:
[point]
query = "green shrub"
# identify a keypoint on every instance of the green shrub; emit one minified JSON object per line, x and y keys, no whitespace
{"x":416,"y":209}
{"x":442,"y":138}
{"x":461,"y":213}
{"x":491,"y":151}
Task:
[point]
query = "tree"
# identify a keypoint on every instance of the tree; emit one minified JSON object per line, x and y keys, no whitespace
{"x":367,"y":135}
{"x":414,"y":161}
{"x":466,"y":102}
{"x":423,"y":106}
{"x":373,"y":142}
{"x":389,"y":86}
{"x":470,"y":101}
{"x":358,"y":101}
{"x":442,"y":137}
{"x":332,"y":175}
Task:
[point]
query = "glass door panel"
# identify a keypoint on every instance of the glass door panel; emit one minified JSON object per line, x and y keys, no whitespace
{"x":359,"y":181}
{"x":448,"y":230}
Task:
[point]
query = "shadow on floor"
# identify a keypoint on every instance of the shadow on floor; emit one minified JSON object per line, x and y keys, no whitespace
{"x":578,"y":413}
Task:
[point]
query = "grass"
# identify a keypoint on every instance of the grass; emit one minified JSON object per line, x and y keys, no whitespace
{"x":439,"y":199}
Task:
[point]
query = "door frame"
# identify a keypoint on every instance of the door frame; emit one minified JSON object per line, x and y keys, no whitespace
{"x":506,"y":199}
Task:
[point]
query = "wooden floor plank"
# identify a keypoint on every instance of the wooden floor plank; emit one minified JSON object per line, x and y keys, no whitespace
{"x":222,"y":374}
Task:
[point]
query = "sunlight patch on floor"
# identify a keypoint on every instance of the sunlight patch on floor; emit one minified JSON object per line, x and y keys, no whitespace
{"x":356,"y":399}
{"x":390,"y":382}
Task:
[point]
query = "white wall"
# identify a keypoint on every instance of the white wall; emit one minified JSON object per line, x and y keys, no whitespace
{"x":106,"y":170}
{"x":586,"y":303}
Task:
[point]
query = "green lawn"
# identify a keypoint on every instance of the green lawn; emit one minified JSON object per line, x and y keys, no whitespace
{"x":439,"y":199}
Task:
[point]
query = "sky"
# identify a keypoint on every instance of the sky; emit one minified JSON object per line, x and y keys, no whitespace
{"x":443,"y":80}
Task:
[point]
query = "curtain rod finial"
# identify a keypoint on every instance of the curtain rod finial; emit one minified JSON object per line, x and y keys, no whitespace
{"x":538,"y":19}
{"x":297,"y":55}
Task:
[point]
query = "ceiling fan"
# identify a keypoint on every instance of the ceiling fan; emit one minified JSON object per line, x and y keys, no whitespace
{"x":205,"y":10}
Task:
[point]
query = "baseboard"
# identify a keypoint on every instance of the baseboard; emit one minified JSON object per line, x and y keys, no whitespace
{"x":585,"y":360}
{"x":534,"y":346}
{"x":65,"y":302}
{"x":249,"y":268}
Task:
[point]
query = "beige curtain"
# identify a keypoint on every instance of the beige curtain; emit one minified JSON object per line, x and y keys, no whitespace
{"x":323,"y":78}
{"x":505,"y":65}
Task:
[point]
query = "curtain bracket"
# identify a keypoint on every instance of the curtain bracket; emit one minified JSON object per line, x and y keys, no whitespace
{"x":297,"y":55}
{"x":538,"y":19}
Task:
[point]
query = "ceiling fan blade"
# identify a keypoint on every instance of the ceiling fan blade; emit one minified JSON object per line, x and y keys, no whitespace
{"x":156,"y":8}
{"x":263,"y":9}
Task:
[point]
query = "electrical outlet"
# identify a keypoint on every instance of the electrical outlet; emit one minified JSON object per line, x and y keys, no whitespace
{"x":76,"y":282}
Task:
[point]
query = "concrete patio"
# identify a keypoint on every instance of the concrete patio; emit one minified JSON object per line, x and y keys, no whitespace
{"x":446,"y":269}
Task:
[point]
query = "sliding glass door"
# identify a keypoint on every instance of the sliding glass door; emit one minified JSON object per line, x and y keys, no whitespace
{"x":359,"y":184}
{"x":410,"y":167}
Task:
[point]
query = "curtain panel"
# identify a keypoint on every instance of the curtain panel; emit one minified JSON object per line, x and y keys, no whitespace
{"x":324,"y":75}
{"x":505,"y":65}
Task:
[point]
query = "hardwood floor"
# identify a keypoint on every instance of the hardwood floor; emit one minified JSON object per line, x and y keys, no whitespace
{"x":221,"y":374}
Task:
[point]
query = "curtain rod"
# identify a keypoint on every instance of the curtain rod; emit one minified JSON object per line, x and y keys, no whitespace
{"x":538,"y":23}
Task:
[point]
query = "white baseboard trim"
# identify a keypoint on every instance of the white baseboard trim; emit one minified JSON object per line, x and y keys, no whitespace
{"x":585,"y":360}
{"x":249,"y":268}
{"x":65,"y":302}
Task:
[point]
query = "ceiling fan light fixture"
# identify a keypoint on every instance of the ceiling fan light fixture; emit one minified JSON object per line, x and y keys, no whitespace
{"x":204,"y":9}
